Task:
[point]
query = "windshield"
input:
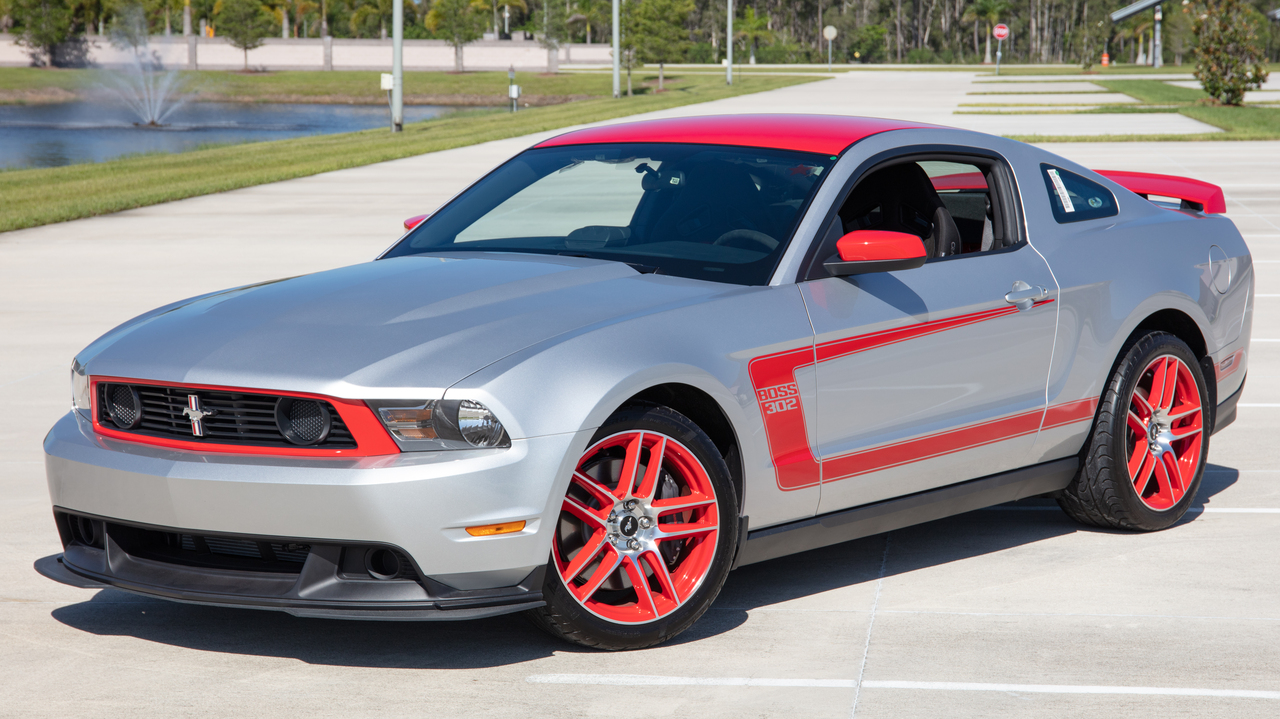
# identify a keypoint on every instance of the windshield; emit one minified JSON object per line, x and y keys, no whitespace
{"x":715,"y":213}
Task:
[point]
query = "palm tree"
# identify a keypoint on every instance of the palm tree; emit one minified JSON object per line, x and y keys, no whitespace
{"x":753,"y":28}
{"x":990,"y":12}
{"x":591,"y":12}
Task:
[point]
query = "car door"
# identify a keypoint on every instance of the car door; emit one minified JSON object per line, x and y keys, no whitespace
{"x":932,"y":376}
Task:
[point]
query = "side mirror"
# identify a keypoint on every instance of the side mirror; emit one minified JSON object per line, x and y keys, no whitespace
{"x":863,"y":251}
{"x":414,"y":221}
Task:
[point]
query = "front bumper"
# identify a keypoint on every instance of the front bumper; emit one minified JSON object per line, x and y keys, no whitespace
{"x":417,"y":503}
{"x":332,"y":581}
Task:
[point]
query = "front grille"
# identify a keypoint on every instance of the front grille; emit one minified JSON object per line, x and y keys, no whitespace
{"x":194,"y":550}
{"x":240,"y":418}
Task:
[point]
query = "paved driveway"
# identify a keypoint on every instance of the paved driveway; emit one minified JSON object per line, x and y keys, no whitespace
{"x":1004,"y":612}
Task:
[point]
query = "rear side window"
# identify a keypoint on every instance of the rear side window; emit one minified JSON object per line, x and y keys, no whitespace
{"x":1074,"y":198}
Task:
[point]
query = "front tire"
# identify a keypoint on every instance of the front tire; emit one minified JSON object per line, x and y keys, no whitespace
{"x":646,"y":534}
{"x":1145,"y":458}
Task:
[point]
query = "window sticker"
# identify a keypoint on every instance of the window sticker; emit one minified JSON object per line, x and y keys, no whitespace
{"x":1062,"y":191}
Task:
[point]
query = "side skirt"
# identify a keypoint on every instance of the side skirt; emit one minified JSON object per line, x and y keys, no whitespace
{"x":891,"y":514}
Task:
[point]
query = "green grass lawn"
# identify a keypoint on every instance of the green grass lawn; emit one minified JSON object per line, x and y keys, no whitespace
{"x":1154,"y":92}
{"x":41,"y":196}
{"x":337,"y":86}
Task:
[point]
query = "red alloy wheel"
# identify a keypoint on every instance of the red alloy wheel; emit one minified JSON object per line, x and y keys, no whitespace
{"x":638,"y":528}
{"x":1165,"y":433}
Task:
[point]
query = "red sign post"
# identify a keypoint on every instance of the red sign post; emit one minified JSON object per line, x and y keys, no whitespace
{"x":999,"y":32}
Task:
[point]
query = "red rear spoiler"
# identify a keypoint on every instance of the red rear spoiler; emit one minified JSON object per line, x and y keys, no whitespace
{"x":1195,"y":195}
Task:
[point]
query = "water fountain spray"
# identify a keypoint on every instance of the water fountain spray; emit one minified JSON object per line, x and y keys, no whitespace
{"x":151,"y":91}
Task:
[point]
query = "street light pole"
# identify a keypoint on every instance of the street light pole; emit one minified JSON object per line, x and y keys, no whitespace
{"x":397,"y":66}
{"x":617,"y":49}
{"x":728,"y":70}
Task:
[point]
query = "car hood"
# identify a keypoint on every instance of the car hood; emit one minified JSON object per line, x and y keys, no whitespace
{"x":403,"y":327}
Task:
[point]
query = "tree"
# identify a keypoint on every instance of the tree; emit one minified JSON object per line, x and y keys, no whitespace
{"x":553,"y":21}
{"x":867,"y":43}
{"x":591,"y":12}
{"x":45,"y":25}
{"x":988,"y":11}
{"x":244,"y":23}
{"x":1228,"y":59}
{"x":660,"y":34}
{"x":459,"y":22}
{"x":753,"y":28}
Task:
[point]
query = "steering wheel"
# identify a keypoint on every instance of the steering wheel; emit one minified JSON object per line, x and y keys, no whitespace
{"x":747,"y":240}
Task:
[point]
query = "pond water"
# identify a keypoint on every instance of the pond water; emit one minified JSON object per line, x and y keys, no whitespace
{"x":72,"y":132}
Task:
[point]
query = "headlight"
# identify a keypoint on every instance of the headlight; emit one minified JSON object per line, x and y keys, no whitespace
{"x":79,"y":387}
{"x":446,"y":424}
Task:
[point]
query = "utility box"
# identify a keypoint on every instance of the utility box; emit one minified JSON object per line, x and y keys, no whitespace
{"x":388,"y":81}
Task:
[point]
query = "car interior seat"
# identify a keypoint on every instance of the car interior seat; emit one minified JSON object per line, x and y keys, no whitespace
{"x":714,"y":198}
{"x":901,"y":198}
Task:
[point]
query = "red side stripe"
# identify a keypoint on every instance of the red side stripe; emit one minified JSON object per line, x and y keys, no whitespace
{"x":932,"y":445}
{"x":773,"y":377}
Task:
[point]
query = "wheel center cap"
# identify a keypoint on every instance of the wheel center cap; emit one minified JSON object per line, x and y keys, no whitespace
{"x":628,"y":526}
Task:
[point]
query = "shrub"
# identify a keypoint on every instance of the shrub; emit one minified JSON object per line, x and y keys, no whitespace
{"x":1228,"y":59}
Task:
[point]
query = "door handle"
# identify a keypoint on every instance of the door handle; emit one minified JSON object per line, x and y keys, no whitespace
{"x":1023,"y":295}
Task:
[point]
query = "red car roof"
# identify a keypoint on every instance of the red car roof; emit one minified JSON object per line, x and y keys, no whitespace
{"x":827,"y":134}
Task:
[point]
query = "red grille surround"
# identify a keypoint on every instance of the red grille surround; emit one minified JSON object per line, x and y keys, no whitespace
{"x":370,"y":436}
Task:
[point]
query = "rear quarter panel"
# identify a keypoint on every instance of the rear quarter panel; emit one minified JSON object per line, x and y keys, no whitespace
{"x":1113,"y":273}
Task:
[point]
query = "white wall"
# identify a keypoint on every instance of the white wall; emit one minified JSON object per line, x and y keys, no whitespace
{"x":308,"y":54}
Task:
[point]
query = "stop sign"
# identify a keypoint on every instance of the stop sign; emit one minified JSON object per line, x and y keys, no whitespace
{"x":1000,"y":31}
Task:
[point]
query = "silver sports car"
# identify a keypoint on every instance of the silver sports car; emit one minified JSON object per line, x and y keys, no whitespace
{"x":634,"y":357}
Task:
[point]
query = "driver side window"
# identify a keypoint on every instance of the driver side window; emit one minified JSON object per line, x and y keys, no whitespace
{"x":956,"y":205}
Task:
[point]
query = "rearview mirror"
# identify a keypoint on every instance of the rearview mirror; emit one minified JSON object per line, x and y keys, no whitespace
{"x":414,"y":221}
{"x":863,"y":251}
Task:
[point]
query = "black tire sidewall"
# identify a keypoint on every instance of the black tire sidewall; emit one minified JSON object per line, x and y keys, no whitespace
{"x":1131,"y":369}
{"x":596,"y":631}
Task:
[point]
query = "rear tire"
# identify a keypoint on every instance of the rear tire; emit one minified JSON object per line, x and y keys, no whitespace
{"x":1145,"y":457}
{"x":634,"y":563}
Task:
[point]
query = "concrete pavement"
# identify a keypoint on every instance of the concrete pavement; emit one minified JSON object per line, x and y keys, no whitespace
{"x":970,"y":616}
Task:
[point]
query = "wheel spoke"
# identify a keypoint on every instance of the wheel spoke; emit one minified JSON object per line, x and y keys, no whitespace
{"x":1156,"y":397}
{"x":659,"y":567}
{"x":1136,"y":424}
{"x":684,"y":530}
{"x":1143,"y":475}
{"x":584,"y":557}
{"x":644,"y":593}
{"x":676,"y":505}
{"x":630,"y":466}
{"x":1170,"y":383}
{"x":1142,"y":405}
{"x":1186,"y":431}
{"x":1164,"y":481}
{"x":594,"y":518}
{"x":597,"y":490}
{"x":1177,"y":483}
{"x":1137,"y":458}
{"x":608,"y":564}
{"x":649,"y":483}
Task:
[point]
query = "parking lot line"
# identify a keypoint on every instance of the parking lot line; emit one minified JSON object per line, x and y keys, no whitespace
{"x":643,"y":680}
{"x":1192,"y":510}
{"x":1071,"y":689}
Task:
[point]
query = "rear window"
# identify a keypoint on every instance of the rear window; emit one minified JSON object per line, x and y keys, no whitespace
{"x":724,"y":214}
{"x":1074,"y":198}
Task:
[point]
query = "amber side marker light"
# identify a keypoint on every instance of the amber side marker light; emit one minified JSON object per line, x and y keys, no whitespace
{"x":489,"y":530}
